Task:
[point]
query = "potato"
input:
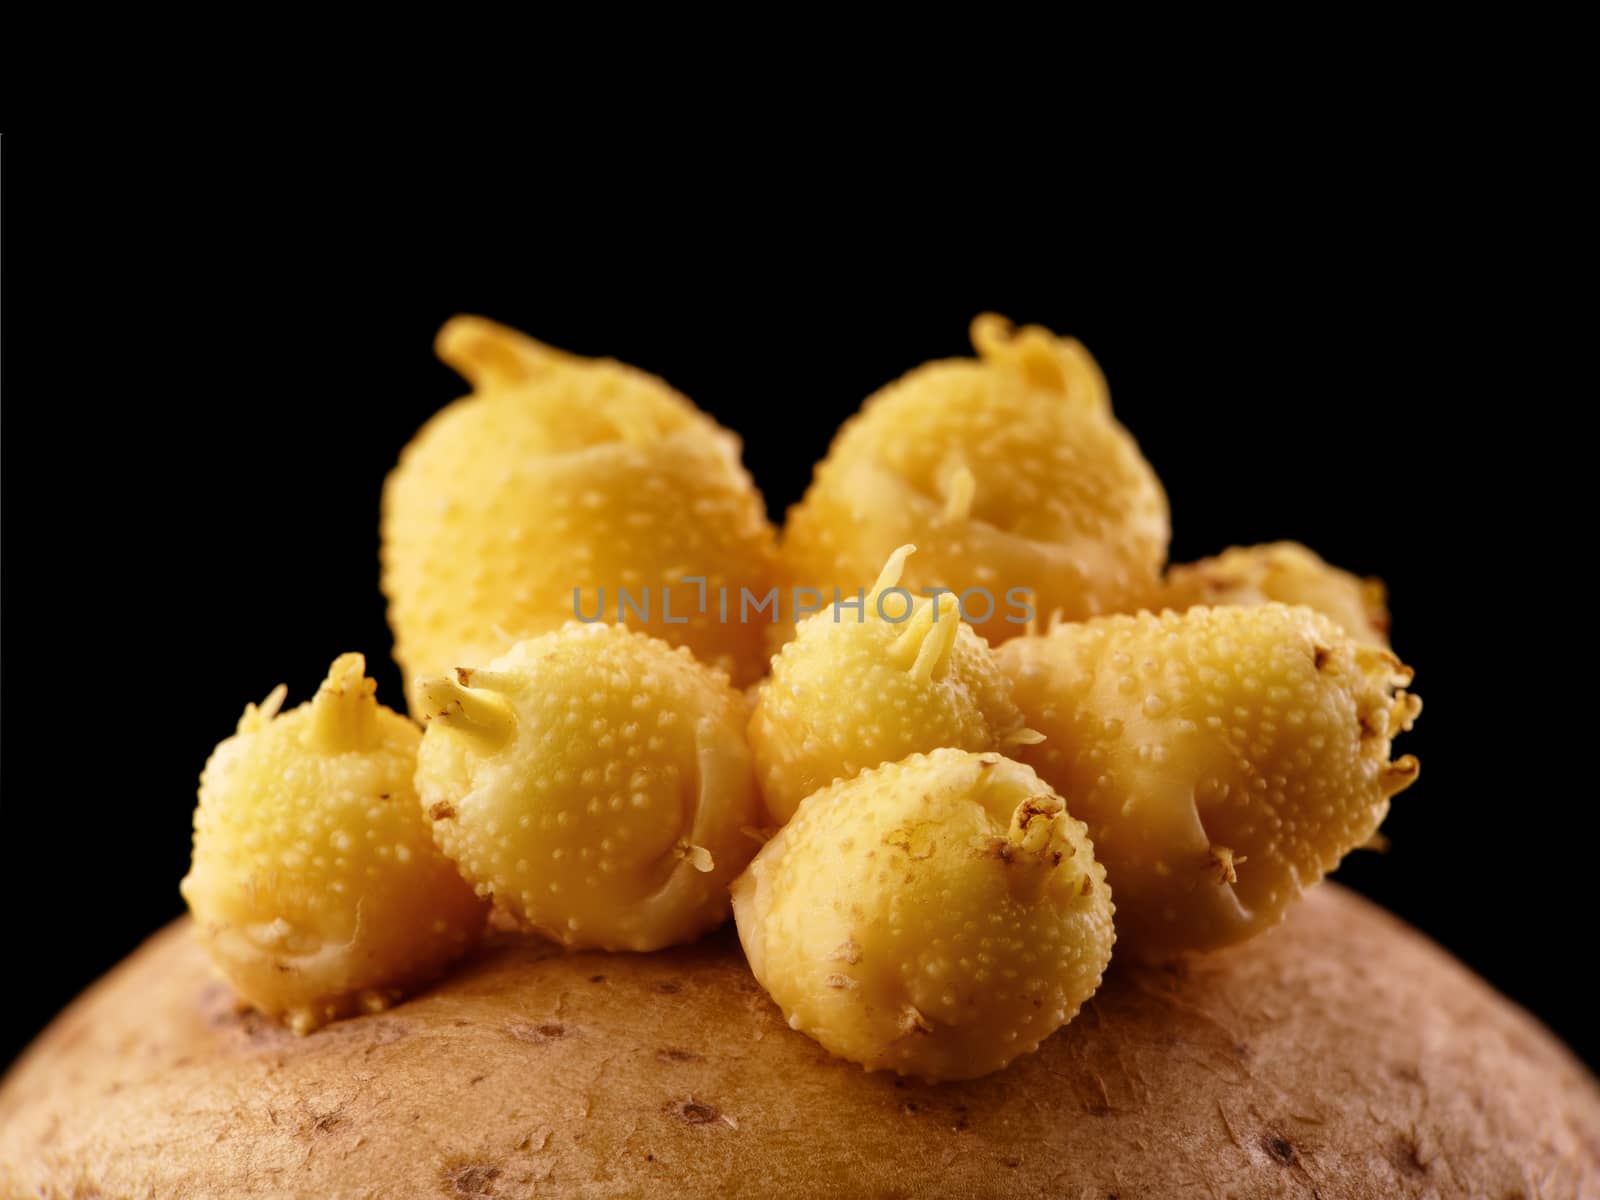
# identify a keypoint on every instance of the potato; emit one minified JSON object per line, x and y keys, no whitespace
{"x":1341,"y":1056}
{"x":315,"y":885}
{"x":852,"y":691}
{"x":936,"y":916}
{"x":596,"y":783}
{"x":1288,"y":573}
{"x":559,"y":481}
{"x":1225,"y":759}
{"x":1010,"y":475}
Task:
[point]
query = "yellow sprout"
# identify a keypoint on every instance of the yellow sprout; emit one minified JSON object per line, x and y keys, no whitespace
{"x":1225,"y":759}
{"x":936,"y":917}
{"x":1007,"y":471}
{"x":595,"y":782}
{"x":315,"y":886}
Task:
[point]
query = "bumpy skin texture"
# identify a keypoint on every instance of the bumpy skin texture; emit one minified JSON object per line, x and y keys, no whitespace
{"x":1007,"y":471}
{"x":596,"y":783}
{"x":561,"y":473}
{"x":851,"y":693}
{"x":316,"y":887}
{"x":1288,"y":573}
{"x":1224,"y":759}
{"x":936,"y":917}
{"x":1344,"y":1057}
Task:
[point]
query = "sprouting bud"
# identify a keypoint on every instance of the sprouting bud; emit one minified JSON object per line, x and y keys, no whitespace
{"x":493,"y":357}
{"x":316,"y":887}
{"x":475,"y":711}
{"x":936,"y":917}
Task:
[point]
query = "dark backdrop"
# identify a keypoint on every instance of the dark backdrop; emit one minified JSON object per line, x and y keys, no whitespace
{"x":220,"y":363}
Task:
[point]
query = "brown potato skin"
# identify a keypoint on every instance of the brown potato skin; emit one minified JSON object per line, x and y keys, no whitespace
{"x":1340,"y":1055}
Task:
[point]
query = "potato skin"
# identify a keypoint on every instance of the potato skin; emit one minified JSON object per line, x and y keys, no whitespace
{"x":560,"y":474}
{"x":1342,"y":1056}
{"x":596,"y":782}
{"x":1224,"y":759}
{"x":936,"y":916}
{"x":315,"y":882}
{"x":1288,"y":573}
{"x":1008,"y":471}
{"x":847,"y":695}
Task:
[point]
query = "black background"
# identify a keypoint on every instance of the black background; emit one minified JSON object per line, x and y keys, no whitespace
{"x":216,"y":360}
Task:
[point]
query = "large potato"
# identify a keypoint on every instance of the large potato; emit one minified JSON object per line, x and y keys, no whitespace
{"x":1338,"y":1056}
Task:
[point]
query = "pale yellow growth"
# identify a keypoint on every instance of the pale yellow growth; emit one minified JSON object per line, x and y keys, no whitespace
{"x":935,"y":917}
{"x":1225,"y":759}
{"x":596,"y":783}
{"x":560,"y":474}
{"x":1007,"y":471}
{"x":316,"y":887}
{"x":849,"y":694}
{"x":1288,"y":573}
{"x":491,"y":356}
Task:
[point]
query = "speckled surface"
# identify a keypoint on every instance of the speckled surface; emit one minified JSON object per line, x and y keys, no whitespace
{"x":1006,"y":471}
{"x":1288,"y":573}
{"x":936,"y":917}
{"x":1223,"y":758}
{"x":856,"y":688}
{"x":597,"y":783}
{"x":1339,"y":1056}
{"x":315,"y":879}
{"x":574,"y":474}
